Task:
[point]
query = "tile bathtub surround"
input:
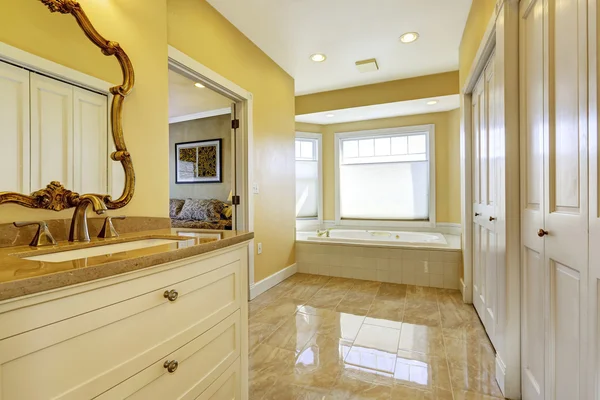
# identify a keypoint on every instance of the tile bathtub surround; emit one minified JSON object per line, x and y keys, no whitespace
{"x":331,"y":346}
{"x":382,"y":264}
{"x":13,"y":236}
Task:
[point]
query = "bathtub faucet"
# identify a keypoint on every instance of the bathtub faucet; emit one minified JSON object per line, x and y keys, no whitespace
{"x":324,"y":232}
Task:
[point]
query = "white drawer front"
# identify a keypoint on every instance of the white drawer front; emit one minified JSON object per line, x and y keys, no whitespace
{"x":82,"y":357}
{"x":32,"y":313}
{"x":226,"y":387}
{"x":201,"y":362}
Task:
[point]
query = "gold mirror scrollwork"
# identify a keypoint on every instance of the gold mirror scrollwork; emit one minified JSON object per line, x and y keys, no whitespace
{"x":55,"y":196}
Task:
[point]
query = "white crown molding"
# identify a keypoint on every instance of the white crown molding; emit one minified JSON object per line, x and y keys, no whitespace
{"x":204,"y":114}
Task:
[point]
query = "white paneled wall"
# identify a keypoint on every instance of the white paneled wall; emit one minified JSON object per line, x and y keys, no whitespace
{"x":434,"y":268}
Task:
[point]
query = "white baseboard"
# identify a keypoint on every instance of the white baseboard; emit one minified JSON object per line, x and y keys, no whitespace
{"x":500,"y":373}
{"x":270,"y":281}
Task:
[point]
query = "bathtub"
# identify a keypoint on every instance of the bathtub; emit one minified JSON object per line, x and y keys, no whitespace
{"x":420,"y":258}
{"x":377,"y":237}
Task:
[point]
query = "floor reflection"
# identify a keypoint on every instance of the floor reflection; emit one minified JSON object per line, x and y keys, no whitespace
{"x":315,"y":337}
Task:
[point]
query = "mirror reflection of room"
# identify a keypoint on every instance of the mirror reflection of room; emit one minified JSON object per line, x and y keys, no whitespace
{"x":200,"y":155}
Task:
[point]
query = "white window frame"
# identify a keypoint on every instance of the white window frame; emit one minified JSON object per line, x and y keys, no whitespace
{"x":430,"y":130}
{"x":311,"y":223}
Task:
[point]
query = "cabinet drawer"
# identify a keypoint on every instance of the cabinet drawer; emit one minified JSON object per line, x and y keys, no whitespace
{"x":227,"y":387}
{"x":38,"y":311}
{"x":84,"y":356}
{"x":200,"y":363}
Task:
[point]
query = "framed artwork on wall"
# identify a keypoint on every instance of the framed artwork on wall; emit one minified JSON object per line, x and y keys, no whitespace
{"x":198,"y":162}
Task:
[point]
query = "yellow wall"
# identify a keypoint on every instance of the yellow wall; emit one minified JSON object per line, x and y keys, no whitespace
{"x":198,"y":30}
{"x":447,"y":157}
{"x":477,"y":22}
{"x":141,"y":30}
{"x":380,"y":93}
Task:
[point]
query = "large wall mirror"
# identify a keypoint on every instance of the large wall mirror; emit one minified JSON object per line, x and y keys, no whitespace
{"x":61,"y":129}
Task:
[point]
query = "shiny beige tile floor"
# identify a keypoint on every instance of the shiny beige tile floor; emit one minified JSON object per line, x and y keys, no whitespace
{"x":319,"y":338}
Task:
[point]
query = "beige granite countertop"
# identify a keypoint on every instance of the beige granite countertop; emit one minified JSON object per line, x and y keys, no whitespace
{"x":20,"y":277}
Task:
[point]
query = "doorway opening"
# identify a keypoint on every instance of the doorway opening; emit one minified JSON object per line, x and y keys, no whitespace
{"x":201,"y":155}
{"x":241,"y":104}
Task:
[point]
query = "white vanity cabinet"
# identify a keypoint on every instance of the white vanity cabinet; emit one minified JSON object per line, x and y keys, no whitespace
{"x":172,"y":331}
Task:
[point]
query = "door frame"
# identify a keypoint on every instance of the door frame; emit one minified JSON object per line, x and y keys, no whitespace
{"x":502,"y":36}
{"x":244,"y":162}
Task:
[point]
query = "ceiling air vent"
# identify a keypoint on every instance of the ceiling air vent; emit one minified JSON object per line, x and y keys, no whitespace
{"x":369,"y":65}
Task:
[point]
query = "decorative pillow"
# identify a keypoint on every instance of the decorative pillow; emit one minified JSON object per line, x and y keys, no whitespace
{"x":227,"y":211}
{"x":175,"y":206}
{"x":202,"y":210}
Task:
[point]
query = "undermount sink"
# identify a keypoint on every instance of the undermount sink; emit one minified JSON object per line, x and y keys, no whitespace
{"x":100,"y":250}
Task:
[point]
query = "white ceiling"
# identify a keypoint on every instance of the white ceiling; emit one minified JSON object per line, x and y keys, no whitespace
{"x":401,"y":108}
{"x":289,"y":31}
{"x":187,"y":99}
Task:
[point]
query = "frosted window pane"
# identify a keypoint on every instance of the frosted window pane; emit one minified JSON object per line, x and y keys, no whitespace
{"x":297,"y":149}
{"x":366,"y":148}
{"x":399,"y":145}
{"x":382,"y":147}
{"x":350,"y":148}
{"x":417,"y":144}
{"x":385,"y":191}
{"x":307,"y":149}
{"x":307,"y":189}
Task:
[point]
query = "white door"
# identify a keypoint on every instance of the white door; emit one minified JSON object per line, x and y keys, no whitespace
{"x":14,"y":120}
{"x":554,"y":198}
{"x":479,"y":259}
{"x":594,"y":202}
{"x":533,"y":279}
{"x":566,"y":197}
{"x":489,"y":205}
{"x":51,"y":132}
{"x":90,"y":136}
{"x":486,"y":191}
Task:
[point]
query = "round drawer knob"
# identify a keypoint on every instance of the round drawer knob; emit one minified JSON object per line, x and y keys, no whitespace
{"x":542,"y":233}
{"x":171,"y":366}
{"x":171,"y":294}
{"x":492,"y":219}
{"x":477,"y":214}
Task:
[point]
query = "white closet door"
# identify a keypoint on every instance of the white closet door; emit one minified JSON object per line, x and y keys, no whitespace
{"x":555,"y":198}
{"x":594,"y":202}
{"x":489,"y":207}
{"x":14,"y":122}
{"x":51,"y":132}
{"x":479,"y":258}
{"x":90,"y":131}
{"x":566,"y":197}
{"x":486,"y":191}
{"x":533,"y":280}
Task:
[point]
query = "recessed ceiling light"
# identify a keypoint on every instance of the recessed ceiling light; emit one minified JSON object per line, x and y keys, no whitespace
{"x":318,"y":57}
{"x":330,"y":115}
{"x":198,"y":85}
{"x":432,"y":102}
{"x":409,"y":37}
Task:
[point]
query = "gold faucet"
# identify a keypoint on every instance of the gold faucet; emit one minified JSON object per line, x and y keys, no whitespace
{"x":321,"y":233}
{"x":79,"y":227}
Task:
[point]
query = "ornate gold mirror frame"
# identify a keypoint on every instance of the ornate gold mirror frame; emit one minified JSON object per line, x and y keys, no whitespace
{"x":55,"y":196}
